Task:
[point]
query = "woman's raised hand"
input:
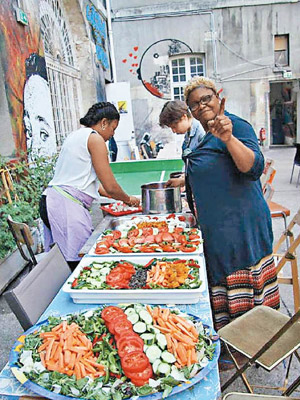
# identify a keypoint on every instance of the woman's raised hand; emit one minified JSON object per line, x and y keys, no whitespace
{"x":221,"y":126}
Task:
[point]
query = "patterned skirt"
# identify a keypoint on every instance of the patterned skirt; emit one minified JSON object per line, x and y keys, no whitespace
{"x":243,"y":290}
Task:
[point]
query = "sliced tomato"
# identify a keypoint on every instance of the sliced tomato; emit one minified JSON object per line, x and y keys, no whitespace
{"x":110,"y":312}
{"x":117,"y":279}
{"x":158,"y":238}
{"x":116,"y":234}
{"x":182,"y":239}
{"x":181,"y":218}
{"x":167,"y":237}
{"x":135,"y":361}
{"x":131,"y":241}
{"x":168,"y":248}
{"x":123,"y":242}
{"x":146,"y":249}
{"x":194,"y":236}
{"x":147,"y":231}
{"x":130,"y":345}
{"x":125,"y":249}
{"x":128,"y":335}
{"x":178,"y":229}
{"x":140,"y":239}
{"x":187,"y":249}
{"x":133,"y":233}
{"x":145,"y":375}
{"x":122,"y":326}
{"x":150,"y":239}
{"x":163,"y":229}
{"x":171,"y":216}
{"x":101,"y":250}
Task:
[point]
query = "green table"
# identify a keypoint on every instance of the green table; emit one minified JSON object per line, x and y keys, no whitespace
{"x":132,"y":174}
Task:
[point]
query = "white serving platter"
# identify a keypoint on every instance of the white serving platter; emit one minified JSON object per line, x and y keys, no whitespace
{"x":146,"y":296}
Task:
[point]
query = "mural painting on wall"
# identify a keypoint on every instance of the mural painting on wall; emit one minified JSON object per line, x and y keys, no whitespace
{"x":153,"y":67}
{"x":26,"y":84}
{"x":98,"y":25}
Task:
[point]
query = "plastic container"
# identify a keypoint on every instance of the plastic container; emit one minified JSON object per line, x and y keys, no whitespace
{"x":150,"y":296}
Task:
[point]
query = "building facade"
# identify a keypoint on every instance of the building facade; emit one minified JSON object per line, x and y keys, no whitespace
{"x":251,"y":48}
{"x":54,"y":65}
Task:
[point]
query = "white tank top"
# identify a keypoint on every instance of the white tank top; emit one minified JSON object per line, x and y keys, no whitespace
{"x":74,"y":165}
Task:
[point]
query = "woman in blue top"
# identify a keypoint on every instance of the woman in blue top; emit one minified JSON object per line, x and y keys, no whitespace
{"x":223,"y":173}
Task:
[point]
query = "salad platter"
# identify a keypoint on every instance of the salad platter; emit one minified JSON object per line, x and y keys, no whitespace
{"x":156,"y":280}
{"x":165,"y":234}
{"x":115,"y":352}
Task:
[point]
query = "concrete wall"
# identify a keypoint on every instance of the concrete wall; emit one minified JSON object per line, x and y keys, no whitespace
{"x":241,"y":59}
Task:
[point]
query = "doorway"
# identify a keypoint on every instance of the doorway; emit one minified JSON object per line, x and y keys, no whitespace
{"x":283,"y":113}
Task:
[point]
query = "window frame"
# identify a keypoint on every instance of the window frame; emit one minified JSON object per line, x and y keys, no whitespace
{"x":180,"y":84}
{"x":278,"y":52}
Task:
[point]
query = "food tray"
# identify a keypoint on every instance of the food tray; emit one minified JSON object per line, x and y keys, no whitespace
{"x":148,"y":296}
{"x":107,"y":208}
{"x":43,"y":392}
{"x":126,"y":221}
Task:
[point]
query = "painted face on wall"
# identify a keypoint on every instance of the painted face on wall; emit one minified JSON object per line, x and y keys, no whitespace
{"x":38,"y":119}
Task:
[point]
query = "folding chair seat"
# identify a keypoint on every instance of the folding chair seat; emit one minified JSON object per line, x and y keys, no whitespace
{"x":29,"y":299}
{"x":248,"y":396}
{"x":266,"y":337}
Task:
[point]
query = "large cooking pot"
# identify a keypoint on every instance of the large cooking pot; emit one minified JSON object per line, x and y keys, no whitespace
{"x":159,"y":199}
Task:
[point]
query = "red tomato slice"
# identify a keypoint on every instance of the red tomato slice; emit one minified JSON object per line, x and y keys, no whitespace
{"x":117,"y":279}
{"x":171,"y":216}
{"x":110,"y":312}
{"x":178,"y":229}
{"x":123,"y":242}
{"x":116,"y":234}
{"x":181,"y":218}
{"x":194,"y":236}
{"x":101,"y":250}
{"x":133,"y":233}
{"x":158,"y":238}
{"x":168,"y":248}
{"x":147,"y":231}
{"x":150,"y":239}
{"x":122,"y":326}
{"x":146,"y":249}
{"x":141,"y":376}
{"x":182,"y":239}
{"x":125,"y":249}
{"x":127,"y":336}
{"x":129,"y":345}
{"x":186,"y":249}
{"x":136,"y":361}
{"x":167,"y":237}
{"x":140,"y":239}
{"x":131,"y":241}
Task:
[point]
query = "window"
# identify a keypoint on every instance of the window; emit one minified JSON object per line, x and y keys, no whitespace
{"x":182,"y":70}
{"x":281,"y":50}
{"x":63,"y":76}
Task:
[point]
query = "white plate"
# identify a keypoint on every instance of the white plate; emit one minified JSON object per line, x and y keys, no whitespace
{"x":150,"y":296}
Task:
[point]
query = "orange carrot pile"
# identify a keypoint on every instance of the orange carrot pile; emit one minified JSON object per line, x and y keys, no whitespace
{"x":181,"y":336}
{"x":168,"y":274}
{"x":67,"y":350}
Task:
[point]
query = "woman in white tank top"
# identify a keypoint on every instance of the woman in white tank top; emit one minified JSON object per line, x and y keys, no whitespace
{"x":82,"y":173}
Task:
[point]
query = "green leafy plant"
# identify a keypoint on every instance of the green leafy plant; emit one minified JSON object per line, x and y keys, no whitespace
{"x":29,"y":181}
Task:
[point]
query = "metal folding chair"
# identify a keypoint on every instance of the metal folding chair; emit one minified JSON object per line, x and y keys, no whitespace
{"x":266,"y":337}
{"x":296,"y":162}
{"x":290,"y":255}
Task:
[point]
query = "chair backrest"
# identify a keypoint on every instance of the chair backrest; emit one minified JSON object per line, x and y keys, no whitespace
{"x":265,"y":176}
{"x":31,"y":297}
{"x":297,"y":155}
{"x":268,"y":192}
{"x":22,"y":235}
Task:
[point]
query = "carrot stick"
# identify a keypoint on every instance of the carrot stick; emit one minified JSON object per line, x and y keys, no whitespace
{"x":182,"y":354}
{"x":189,"y":357}
{"x":49,"y":348}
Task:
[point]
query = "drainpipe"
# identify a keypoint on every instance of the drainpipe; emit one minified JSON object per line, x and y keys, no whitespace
{"x":214,"y":44}
{"x":111,"y":42}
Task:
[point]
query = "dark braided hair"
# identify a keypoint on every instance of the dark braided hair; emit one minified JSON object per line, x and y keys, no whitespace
{"x":99,"y":111}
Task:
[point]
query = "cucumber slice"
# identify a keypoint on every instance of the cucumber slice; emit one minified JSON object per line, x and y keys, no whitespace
{"x":133,"y":318}
{"x":161,"y":340}
{"x":105,"y":271}
{"x":164,"y":368}
{"x":139,"y":327}
{"x":130,"y":310}
{"x":153,"y":353}
{"x":148,"y":338}
{"x":145,"y":316}
{"x":155,"y":365}
{"x":168,"y":357}
{"x":177,"y":374}
{"x":145,"y":348}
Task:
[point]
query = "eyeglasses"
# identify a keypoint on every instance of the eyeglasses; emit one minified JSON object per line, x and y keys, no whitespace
{"x":204,"y":100}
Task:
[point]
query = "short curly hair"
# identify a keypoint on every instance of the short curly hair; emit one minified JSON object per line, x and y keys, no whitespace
{"x":172,"y":112}
{"x":198,"y":81}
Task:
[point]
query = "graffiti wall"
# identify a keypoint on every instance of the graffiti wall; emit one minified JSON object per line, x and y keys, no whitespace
{"x":26,"y":84}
